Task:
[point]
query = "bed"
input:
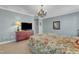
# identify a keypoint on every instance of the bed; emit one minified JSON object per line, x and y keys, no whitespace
{"x":53,"y":44}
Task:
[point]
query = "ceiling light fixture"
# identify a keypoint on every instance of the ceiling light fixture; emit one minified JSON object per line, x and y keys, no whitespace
{"x":41,"y":12}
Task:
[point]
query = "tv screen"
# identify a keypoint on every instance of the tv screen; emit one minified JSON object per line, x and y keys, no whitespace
{"x":26,"y":26}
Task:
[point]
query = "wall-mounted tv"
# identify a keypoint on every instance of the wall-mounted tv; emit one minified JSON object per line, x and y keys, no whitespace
{"x":26,"y":26}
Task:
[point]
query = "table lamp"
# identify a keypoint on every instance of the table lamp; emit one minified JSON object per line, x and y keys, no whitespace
{"x":18,"y":23}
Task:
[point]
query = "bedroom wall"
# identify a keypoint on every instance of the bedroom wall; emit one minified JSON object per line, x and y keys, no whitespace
{"x":7,"y":24}
{"x":69,"y":24}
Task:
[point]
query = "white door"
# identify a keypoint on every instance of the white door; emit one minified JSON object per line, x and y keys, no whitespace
{"x":40,"y":26}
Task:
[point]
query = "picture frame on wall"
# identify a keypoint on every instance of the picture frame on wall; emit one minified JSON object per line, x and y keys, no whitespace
{"x":56,"y":25}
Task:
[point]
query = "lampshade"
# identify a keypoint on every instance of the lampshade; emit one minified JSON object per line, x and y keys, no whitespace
{"x":18,"y":23}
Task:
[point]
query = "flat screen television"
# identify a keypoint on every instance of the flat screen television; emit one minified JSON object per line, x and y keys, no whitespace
{"x":26,"y":26}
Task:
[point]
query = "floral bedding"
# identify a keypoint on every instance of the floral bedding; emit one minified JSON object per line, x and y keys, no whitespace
{"x":52,"y":44}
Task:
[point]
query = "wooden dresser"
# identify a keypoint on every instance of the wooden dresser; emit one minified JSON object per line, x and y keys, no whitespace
{"x":23,"y":35}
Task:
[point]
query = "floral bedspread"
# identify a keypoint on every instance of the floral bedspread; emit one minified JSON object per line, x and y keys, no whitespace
{"x":52,"y":44}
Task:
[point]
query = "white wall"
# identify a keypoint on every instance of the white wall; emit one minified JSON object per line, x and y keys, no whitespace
{"x":7,"y":24}
{"x":69,"y":24}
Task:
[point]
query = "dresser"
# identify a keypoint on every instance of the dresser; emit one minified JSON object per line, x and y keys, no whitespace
{"x":23,"y":35}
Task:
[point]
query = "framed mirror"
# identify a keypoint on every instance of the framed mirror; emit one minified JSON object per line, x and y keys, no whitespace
{"x":56,"y":25}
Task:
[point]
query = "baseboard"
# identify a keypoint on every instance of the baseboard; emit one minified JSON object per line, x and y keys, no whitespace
{"x":7,"y":42}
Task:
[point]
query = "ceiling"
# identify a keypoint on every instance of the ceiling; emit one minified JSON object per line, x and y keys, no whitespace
{"x":52,"y":10}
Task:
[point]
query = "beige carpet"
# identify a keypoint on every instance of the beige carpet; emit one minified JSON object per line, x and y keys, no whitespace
{"x":15,"y":48}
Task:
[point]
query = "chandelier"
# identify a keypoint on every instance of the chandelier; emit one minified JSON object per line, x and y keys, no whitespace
{"x":41,"y":12}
